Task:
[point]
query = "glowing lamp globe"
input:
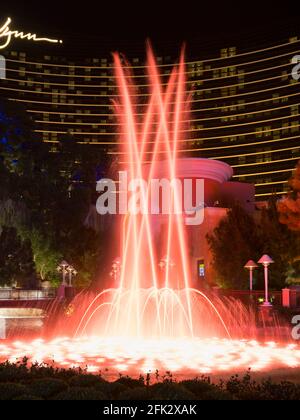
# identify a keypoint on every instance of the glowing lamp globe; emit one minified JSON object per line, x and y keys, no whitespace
{"x":250,"y":265}
{"x":266,"y":260}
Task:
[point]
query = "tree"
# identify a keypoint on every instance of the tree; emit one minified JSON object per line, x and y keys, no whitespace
{"x":46,"y":195}
{"x":281,"y":243}
{"x":233,"y":243}
{"x":241,"y":237}
{"x":289,"y":206}
{"x":16,"y":260}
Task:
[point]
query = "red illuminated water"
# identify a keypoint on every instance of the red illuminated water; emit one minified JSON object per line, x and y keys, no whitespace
{"x":155,"y":319}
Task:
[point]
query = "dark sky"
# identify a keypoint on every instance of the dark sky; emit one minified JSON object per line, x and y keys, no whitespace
{"x":113,"y":24}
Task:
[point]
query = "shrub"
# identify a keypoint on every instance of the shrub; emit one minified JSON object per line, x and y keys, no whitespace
{"x":46,"y":388}
{"x":27,"y":397}
{"x":135,"y":394}
{"x":85,"y":380}
{"x":8,"y":391}
{"x":130,"y":383}
{"x":198,"y":386}
{"x":171,"y":391}
{"x":79,"y":394}
{"x":111,"y":389}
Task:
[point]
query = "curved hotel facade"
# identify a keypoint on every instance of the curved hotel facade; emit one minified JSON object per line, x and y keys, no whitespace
{"x":245,"y":106}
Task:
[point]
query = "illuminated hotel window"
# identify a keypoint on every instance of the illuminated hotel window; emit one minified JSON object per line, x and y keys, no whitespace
{"x":47,"y":57}
{"x":285,"y":76}
{"x":286,"y":128}
{"x":22,"y":71}
{"x":14,"y":54}
{"x":295,"y":127}
{"x":258,"y":131}
{"x":232,"y":51}
{"x":232,"y":71}
{"x":267,"y":130}
{"x":294,"y":109}
{"x":293,"y":39}
{"x":275,"y":98}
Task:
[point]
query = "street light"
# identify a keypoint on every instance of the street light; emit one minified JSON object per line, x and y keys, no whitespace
{"x":251,"y":265}
{"x":116,"y":270}
{"x":72,"y":272}
{"x":62,"y":268}
{"x":266,"y":261}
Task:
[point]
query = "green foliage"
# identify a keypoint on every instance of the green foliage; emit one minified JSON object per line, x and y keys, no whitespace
{"x":85,"y":380}
{"x":241,"y":237}
{"x":233,"y":243}
{"x":16,"y":259}
{"x":289,"y":206}
{"x":45,"y":200}
{"x":48,"y":387}
{"x":171,"y":391}
{"x":8,"y":391}
{"x":80,"y":394}
{"x":22,"y":382}
{"x":135,"y":394}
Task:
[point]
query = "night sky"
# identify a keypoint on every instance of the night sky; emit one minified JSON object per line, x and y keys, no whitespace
{"x":112,"y":24}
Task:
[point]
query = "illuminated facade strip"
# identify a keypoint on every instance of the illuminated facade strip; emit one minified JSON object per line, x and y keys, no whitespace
{"x":250,"y":93}
{"x":270,"y":193}
{"x":141,"y":113}
{"x":245,"y":104}
{"x":80,"y":133}
{"x":231,"y":146}
{"x":263,"y":173}
{"x":181,"y":131}
{"x":190,"y":82}
{"x":263,"y":184}
{"x":242,"y":84}
{"x":143,"y":76}
{"x":265,"y":162}
{"x":274,"y":47}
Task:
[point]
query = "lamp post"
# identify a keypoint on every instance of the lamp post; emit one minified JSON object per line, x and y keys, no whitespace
{"x":251,"y":265}
{"x":266,"y":261}
{"x":72,"y":272}
{"x":63,"y":269}
{"x":116,"y":270}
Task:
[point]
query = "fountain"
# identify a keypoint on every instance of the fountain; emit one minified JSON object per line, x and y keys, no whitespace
{"x":155,"y":319}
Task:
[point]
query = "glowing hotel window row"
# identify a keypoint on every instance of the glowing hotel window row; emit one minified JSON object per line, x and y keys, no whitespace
{"x":77,"y":114}
{"x":82,"y":133}
{"x":194,"y":91}
{"x":191,"y":82}
{"x":187,"y":63}
{"x":144,"y":76}
{"x":142,"y":105}
{"x":244,"y":104}
{"x":217,"y":127}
